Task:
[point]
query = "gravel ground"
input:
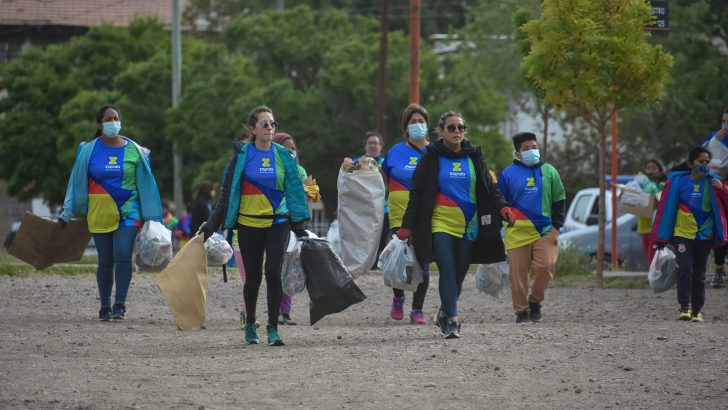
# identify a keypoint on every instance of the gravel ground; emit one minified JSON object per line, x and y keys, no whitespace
{"x":595,"y":349}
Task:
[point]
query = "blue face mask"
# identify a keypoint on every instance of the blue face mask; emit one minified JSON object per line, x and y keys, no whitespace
{"x":112,"y":128}
{"x":701,"y":169}
{"x":531,"y":157}
{"x":417,"y":131}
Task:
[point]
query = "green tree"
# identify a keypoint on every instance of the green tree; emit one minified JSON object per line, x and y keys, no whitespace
{"x":696,"y":95}
{"x":593,"y":57}
{"x":40,"y":125}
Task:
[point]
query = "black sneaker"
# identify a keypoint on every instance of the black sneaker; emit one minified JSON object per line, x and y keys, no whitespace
{"x":717,"y":281}
{"x":118,"y":312}
{"x":441,"y":321}
{"x":105,"y":314}
{"x":452,"y":331}
{"x":535,"y":312}
{"x":522,"y":318}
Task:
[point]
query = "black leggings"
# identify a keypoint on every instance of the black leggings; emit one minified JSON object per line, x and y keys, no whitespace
{"x":418,"y":298}
{"x":254,"y":243}
{"x":719,"y":254}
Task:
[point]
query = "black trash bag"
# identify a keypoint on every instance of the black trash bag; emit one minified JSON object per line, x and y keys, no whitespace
{"x":330,"y":286}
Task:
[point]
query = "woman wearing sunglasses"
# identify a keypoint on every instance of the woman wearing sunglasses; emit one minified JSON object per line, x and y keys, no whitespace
{"x":398,"y":167}
{"x":262,"y":197}
{"x":454,"y":214}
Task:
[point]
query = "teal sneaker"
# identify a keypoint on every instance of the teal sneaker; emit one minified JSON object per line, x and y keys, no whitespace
{"x":273,"y":338}
{"x":251,"y":335}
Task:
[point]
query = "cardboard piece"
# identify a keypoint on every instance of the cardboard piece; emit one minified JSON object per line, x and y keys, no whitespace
{"x":637,"y":202}
{"x":42,"y":242}
{"x":184,"y":284}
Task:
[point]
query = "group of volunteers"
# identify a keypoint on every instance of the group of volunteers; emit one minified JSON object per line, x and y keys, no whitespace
{"x":442,"y":197}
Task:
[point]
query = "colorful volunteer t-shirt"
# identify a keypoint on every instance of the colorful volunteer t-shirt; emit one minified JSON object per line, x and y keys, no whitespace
{"x":530,"y":193}
{"x":456,"y":209}
{"x":694,"y":218}
{"x":399,"y":165}
{"x":263,"y":194}
{"x":113,"y":199}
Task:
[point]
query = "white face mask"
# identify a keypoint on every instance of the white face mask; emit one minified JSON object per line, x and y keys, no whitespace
{"x":112,"y":128}
{"x":417,"y":131}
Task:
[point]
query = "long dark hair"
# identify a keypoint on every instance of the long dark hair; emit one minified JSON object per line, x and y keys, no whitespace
{"x":660,"y":167}
{"x":100,"y":117}
{"x":205,"y":191}
{"x":694,"y":154}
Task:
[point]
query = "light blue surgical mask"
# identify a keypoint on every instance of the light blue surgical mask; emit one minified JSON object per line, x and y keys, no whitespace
{"x":701,"y":169}
{"x":417,"y":131}
{"x":112,"y":128}
{"x":531,"y":157}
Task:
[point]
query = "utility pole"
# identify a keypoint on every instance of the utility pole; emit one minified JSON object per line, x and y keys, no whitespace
{"x":414,"y":89}
{"x":176,"y":92}
{"x":382,"y":77}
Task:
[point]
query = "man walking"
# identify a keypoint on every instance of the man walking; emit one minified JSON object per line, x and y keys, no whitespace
{"x":536,"y":195}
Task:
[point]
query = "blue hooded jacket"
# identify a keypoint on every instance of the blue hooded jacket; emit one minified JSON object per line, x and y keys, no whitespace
{"x":76,"y":201}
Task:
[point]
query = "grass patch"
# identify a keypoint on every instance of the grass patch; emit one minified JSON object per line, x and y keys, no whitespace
{"x":575,"y":270}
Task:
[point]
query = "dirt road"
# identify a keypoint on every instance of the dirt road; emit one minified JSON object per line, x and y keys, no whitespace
{"x":595,"y":349}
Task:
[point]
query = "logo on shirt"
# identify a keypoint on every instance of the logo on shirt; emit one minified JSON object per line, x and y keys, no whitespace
{"x":413,"y":161}
{"x":531,"y":186}
{"x":113,"y":164}
{"x":696,"y":188}
{"x":265,"y":167}
{"x":457,"y":170}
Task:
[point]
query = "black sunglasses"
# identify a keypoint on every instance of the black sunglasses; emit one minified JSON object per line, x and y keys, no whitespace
{"x":459,"y":127}
{"x":268,"y":124}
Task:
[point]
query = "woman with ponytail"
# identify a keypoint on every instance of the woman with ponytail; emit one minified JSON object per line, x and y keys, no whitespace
{"x":113,"y":187}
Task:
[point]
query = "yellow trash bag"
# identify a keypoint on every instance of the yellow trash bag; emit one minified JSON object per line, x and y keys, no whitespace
{"x":184,"y":284}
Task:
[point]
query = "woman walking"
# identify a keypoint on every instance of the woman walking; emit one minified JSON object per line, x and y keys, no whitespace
{"x":454,"y":214}
{"x":397,"y":168}
{"x":691,"y":216}
{"x":262,"y":197}
{"x":112,"y":186}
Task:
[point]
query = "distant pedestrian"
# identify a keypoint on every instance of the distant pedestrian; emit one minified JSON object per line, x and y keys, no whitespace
{"x":201,"y":206}
{"x":719,"y":153}
{"x":397,"y":168}
{"x":262,"y":197}
{"x":536,"y":194}
{"x":454,"y":214}
{"x":655,"y":173}
{"x":691,"y":216}
{"x":112,"y":185}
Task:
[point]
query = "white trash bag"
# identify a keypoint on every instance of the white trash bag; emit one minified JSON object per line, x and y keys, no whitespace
{"x":293,"y":278}
{"x":361,"y":215}
{"x":218,"y":250}
{"x":333,"y":237}
{"x":663,"y":271}
{"x":154,"y":250}
{"x":493,"y":279}
{"x":399,"y":266}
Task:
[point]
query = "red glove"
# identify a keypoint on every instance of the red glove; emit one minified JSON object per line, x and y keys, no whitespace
{"x":403,"y":233}
{"x":508,"y":215}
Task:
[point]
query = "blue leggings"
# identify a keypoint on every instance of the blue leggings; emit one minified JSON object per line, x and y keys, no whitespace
{"x":114,"y":250}
{"x":452,"y":256}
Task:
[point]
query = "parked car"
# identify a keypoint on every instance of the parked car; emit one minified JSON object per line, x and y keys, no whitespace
{"x":581,"y":231}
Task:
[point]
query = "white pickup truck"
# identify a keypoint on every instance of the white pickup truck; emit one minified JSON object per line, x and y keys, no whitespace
{"x":581,"y":230}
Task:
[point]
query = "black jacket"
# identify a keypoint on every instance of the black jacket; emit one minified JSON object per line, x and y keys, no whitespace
{"x":489,"y":246}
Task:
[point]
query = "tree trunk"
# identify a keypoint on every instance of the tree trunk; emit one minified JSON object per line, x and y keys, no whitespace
{"x":602,"y":206}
